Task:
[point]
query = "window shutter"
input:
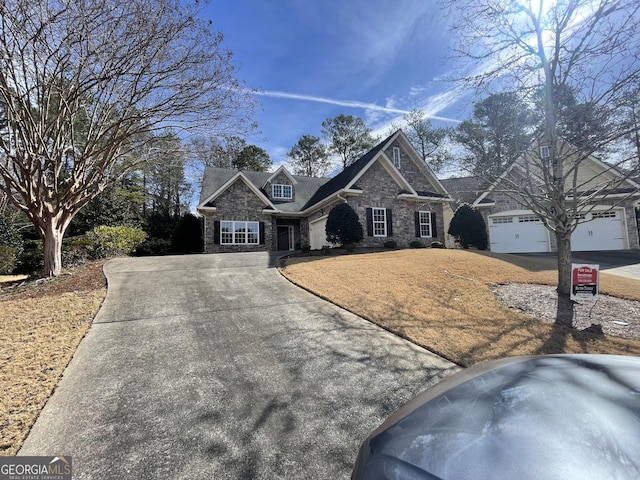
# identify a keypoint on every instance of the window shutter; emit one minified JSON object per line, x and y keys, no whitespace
{"x":434,"y":232}
{"x":216,"y":232}
{"x":389,"y":223}
{"x":416,"y":218}
{"x":369,"y":222}
{"x":261,"y":232}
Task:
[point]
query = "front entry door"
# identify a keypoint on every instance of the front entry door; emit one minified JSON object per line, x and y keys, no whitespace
{"x":285,"y":240}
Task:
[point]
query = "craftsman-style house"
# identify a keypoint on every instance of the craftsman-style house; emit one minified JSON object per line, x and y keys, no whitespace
{"x":394,"y":192}
{"x":606,"y":222}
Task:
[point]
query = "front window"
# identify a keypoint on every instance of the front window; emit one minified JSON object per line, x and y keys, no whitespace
{"x":425,"y":224}
{"x":239,"y":233}
{"x":379,"y":222}
{"x":281,"y":191}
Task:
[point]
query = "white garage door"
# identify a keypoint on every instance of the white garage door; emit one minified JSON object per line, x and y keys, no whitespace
{"x":517,"y":234}
{"x":604,"y":231}
{"x":317,"y":233}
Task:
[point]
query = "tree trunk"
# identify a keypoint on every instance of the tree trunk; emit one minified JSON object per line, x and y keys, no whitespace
{"x":52,"y":248}
{"x":564,"y":263}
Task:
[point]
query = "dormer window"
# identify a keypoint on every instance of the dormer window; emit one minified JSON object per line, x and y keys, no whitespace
{"x":396,"y":157}
{"x":281,"y":191}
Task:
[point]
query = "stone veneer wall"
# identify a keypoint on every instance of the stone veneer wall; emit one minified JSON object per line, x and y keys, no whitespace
{"x":632,"y":224}
{"x":410,"y":171}
{"x":237,"y":203}
{"x":381,"y":191}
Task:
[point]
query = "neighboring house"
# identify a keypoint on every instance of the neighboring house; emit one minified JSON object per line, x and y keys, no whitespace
{"x":608,"y":223}
{"x":462,"y":190}
{"x":395,"y":194}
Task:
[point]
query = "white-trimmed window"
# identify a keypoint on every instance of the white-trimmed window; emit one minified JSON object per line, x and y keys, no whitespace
{"x":609,"y":214}
{"x":529,"y":219}
{"x":396,"y":157}
{"x":425,"y":224}
{"x":499,"y":220}
{"x":239,"y":233}
{"x":281,"y":191}
{"x":544,"y":152}
{"x":379,"y":216}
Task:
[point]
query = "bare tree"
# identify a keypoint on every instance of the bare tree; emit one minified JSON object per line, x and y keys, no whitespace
{"x":588,"y":47}
{"x":83,"y":82}
{"x":309,"y":157}
{"x":210,"y":151}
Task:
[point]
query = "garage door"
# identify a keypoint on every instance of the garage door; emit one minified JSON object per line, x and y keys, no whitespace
{"x":517,"y":234}
{"x":317,"y":233}
{"x":602,"y":231}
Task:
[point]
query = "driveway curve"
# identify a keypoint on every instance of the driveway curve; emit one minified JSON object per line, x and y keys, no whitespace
{"x":214,"y":366}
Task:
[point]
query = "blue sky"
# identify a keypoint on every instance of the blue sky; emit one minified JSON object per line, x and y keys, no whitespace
{"x":316,"y":59}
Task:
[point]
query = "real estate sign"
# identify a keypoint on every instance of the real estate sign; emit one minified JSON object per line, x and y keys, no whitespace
{"x":584,"y":282}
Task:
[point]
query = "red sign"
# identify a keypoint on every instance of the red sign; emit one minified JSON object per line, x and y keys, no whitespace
{"x":585,"y":276}
{"x":584,"y":282}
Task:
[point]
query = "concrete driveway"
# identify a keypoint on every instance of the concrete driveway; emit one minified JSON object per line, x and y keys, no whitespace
{"x":214,"y":366}
{"x":625,"y":263}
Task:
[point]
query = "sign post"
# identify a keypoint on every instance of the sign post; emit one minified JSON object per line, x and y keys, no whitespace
{"x":584,"y":282}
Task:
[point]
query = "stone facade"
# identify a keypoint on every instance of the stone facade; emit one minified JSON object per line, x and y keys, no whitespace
{"x":240,"y":202}
{"x":381,"y":191}
{"x":632,"y":224}
{"x":237,"y":203}
{"x":409,"y":169}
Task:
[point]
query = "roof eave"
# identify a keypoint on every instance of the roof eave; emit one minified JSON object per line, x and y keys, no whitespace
{"x":419,"y":198}
{"x":203,"y":209}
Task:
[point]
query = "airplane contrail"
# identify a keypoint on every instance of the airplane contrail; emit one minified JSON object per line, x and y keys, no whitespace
{"x":342,"y":103}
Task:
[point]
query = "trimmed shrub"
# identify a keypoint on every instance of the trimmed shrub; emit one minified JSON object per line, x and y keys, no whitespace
{"x":390,"y":244}
{"x":187,"y":236}
{"x":8,"y":259}
{"x":416,"y":244}
{"x":437,"y":245}
{"x":114,"y":241}
{"x":343,"y":225}
{"x":468,"y":228}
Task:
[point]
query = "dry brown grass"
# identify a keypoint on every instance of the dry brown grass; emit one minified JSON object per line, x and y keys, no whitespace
{"x":437,"y":298}
{"x":441,"y":299}
{"x":42,"y":325}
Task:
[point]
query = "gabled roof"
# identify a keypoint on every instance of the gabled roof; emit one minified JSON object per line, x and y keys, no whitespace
{"x":603,"y":167}
{"x":349,"y":176}
{"x":311,"y":192}
{"x":217,"y":180}
{"x":344,"y":178}
{"x":278,"y":172}
{"x":465,"y":189}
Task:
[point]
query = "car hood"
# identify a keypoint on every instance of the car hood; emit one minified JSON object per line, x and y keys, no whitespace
{"x":562,"y":416}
